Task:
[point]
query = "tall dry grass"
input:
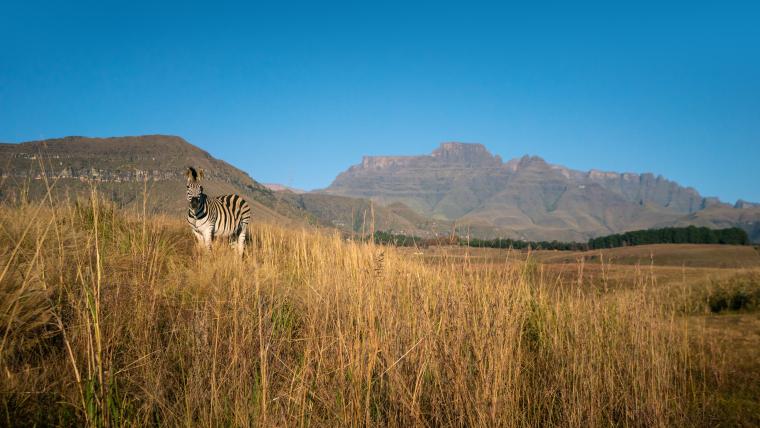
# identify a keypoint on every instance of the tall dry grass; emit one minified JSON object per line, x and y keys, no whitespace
{"x":111,"y":319}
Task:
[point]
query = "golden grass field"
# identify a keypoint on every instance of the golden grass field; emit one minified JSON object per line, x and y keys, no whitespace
{"x":112,"y":318}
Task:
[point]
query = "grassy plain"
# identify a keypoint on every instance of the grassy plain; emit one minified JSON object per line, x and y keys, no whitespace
{"x":110,"y":318}
{"x":696,"y":282}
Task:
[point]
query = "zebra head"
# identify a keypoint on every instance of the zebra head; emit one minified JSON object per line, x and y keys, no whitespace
{"x":195,"y":195}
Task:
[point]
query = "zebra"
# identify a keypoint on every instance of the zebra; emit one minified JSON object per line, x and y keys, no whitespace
{"x":224,"y":216}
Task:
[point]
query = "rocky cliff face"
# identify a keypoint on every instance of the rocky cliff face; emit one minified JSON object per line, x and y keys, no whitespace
{"x":474,"y":155}
{"x":525,"y":197}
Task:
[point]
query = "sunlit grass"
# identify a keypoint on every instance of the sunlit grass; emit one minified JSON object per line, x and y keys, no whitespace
{"x":112,"y":318}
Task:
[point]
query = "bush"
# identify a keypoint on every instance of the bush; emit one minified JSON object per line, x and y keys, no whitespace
{"x":740,"y":293}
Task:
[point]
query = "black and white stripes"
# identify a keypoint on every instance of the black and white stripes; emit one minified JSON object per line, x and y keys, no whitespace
{"x":220,"y":217}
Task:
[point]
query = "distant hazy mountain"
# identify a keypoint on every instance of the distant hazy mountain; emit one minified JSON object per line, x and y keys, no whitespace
{"x":275,"y":187}
{"x":526,"y":197}
{"x":122,"y":167}
{"x":741,"y":203}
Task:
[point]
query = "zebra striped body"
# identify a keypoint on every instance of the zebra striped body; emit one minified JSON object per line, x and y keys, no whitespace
{"x":220,"y":217}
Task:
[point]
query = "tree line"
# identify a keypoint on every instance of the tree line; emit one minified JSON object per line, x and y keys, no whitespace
{"x":668,"y":235}
{"x":673,"y":235}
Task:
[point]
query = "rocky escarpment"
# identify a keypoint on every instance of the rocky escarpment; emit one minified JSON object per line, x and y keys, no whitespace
{"x":447,"y":155}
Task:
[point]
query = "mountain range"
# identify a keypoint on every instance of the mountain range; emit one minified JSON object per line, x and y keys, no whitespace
{"x":531,"y":199}
{"x":459,"y":186}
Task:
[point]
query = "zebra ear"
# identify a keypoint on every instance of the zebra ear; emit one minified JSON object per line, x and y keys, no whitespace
{"x":200,"y":174}
{"x":191,"y":174}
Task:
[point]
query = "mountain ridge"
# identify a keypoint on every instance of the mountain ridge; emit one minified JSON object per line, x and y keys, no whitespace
{"x":526,"y":196}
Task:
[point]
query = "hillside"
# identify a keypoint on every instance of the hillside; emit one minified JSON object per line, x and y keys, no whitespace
{"x":122,"y":167}
{"x":357,"y":215}
{"x":524,"y":198}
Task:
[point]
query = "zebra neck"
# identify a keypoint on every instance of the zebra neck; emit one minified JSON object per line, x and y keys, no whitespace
{"x":200,"y":213}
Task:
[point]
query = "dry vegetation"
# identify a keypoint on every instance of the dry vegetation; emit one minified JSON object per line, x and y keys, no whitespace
{"x":110,"y":319}
{"x":679,"y":255}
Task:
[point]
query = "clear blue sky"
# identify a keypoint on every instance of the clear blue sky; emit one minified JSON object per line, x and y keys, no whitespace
{"x":296,"y":92}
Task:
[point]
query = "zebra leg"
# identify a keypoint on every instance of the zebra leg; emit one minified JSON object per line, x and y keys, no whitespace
{"x":241,"y":240}
{"x":198,"y":238}
{"x":207,"y":238}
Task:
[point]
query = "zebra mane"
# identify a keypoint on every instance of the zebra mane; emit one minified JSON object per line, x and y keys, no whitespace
{"x":193,"y":175}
